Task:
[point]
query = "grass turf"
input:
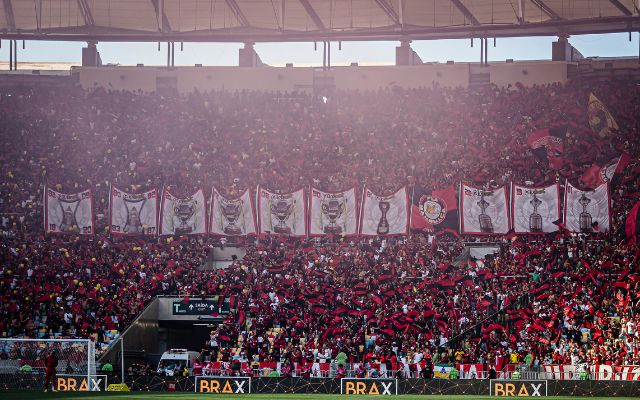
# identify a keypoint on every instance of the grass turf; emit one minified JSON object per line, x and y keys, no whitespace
{"x":192,"y":396}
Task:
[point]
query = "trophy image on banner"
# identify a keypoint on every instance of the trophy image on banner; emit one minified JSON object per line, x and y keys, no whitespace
{"x":485,"y":220}
{"x":535,"y":219}
{"x":232,"y":211}
{"x":69,"y":223}
{"x":333,"y":209}
{"x":133,"y":219}
{"x":184,"y":210}
{"x":383,"y":224}
{"x":282,"y":209}
{"x":585,"y":217}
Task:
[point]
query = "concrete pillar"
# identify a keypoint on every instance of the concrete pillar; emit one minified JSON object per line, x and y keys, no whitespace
{"x":90,"y":55}
{"x":247,"y":56}
{"x":405,"y":54}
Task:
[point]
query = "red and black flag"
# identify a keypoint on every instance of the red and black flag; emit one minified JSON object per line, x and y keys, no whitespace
{"x":604,"y":171}
{"x":549,"y":143}
{"x":434,"y":211}
{"x":633,"y":224}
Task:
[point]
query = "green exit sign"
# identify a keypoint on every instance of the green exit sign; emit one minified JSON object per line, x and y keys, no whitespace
{"x":200,"y":307}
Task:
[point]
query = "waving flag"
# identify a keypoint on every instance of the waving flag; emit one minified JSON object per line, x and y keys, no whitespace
{"x":549,"y":144}
{"x":600,"y":119}
{"x":632,"y":226}
{"x":597,"y":175}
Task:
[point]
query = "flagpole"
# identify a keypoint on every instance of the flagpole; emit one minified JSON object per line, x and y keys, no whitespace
{"x":413,"y":192}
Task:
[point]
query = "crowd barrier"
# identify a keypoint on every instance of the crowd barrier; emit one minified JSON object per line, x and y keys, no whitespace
{"x":472,"y":387}
{"x":337,"y":386}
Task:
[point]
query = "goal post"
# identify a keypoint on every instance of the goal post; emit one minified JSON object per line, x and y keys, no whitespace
{"x":22,"y":361}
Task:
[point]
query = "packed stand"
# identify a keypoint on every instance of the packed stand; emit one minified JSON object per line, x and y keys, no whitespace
{"x":552,"y":299}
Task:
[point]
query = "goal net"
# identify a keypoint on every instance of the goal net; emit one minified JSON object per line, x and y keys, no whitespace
{"x":22,"y":361}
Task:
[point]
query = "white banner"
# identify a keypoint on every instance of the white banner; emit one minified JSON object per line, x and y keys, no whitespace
{"x":600,"y":372}
{"x":282,"y":214}
{"x":232,"y":217}
{"x":385,"y":215}
{"x":333,"y":213}
{"x":68,"y":213}
{"x":587,"y":211}
{"x":185,"y":216}
{"x":483,"y":211}
{"x":534,"y":210}
{"x":133,"y":213}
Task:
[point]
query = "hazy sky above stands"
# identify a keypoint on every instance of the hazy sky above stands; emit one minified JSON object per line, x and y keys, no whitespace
{"x":278,"y":54}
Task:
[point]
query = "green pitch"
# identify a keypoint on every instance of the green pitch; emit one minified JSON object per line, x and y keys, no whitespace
{"x":192,"y":396}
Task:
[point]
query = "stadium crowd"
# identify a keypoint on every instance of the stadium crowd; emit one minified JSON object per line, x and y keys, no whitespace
{"x":559,"y":298}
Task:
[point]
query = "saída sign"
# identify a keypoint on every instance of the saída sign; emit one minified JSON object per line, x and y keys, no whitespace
{"x":370,"y":386}
{"x":517,"y":388}
{"x":223,"y":385}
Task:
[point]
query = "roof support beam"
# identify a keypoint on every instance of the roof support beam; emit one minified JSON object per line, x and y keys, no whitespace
{"x":237,"y":12}
{"x":8,"y":14}
{"x":83,"y":6}
{"x":465,"y":11}
{"x":313,"y":14}
{"x":546,"y":9}
{"x":623,"y":9}
{"x":163,"y":23}
{"x":389,"y":10}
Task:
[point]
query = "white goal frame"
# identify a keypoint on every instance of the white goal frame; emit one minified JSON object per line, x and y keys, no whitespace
{"x":88,"y":343}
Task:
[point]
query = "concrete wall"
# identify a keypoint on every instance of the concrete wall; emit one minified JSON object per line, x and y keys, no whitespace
{"x":187,"y":79}
{"x":117,"y":78}
{"x":375,"y":77}
{"x":237,"y":78}
{"x":272,"y":79}
{"x":528,"y":73}
{"x":142,"y":334}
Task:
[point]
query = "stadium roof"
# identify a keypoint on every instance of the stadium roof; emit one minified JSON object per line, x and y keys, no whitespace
{"x":308,"y":20}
